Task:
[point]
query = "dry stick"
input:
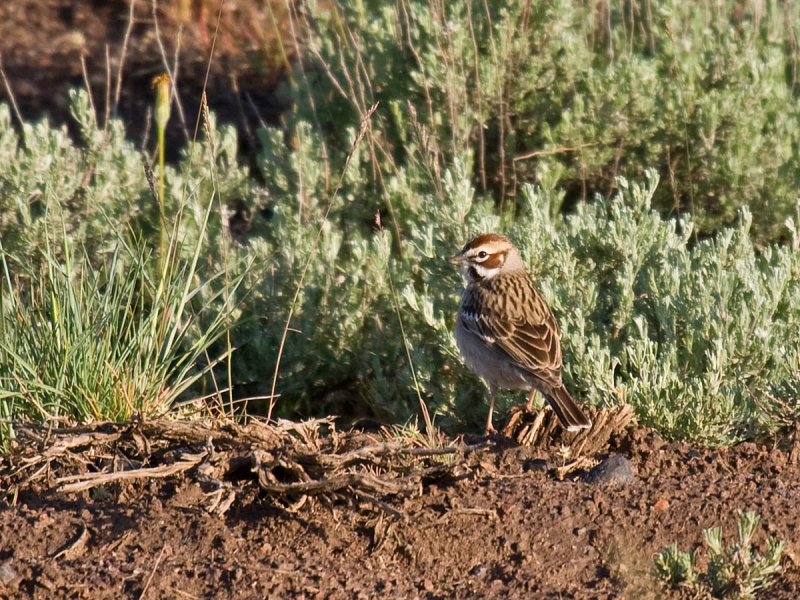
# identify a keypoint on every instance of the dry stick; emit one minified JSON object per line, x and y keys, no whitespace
{"x":75,"y":545}
{"x":503,"y":119}
{"x":671,"y":36}
{"x":384,"y":506}
{"x":305,"y":214}
{"x":335,"y":483}
{"x":153,"y":572}
{"x":176,"y":62}
{"x":184,"y":594}
{"x":554,"y":151}
{"x":202,"y":101}
{"x":248,"y":131}
{"x":312,"y":104}
{"x":88,"y":88}
{"x":479,"y":95}
{"x":107,"y":115}
{"x":428,"y":100}
{"x":10,"y":92}
{"x":279,"y":39}
{"x":90,"y":480}
{"x":361,"y":131}
{"x":376,"y":169}
{"x":225,"y":239}
{"x":496,"y":71}
{"x":425,"y":414}
{"x":353,"y":98}
{"x":122,"y":55}
{"x":359,"y":95}
{"x":439,"y":12}
{"x":67,"y":443}
{"x":792,"y":41}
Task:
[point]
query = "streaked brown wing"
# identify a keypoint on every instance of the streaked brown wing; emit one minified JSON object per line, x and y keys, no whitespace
{"x":527,"y":332}
{"x":473,"y":317}
{"x":536,"y":345}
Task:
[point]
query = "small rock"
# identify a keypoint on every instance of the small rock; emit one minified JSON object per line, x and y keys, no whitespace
{"x":537,"y":466}
{"x":479,"y":570}
{"x":615,"y":469}
{"x":7,"y":572}
{"x":523,"y":454}
{"x":662,"y":505}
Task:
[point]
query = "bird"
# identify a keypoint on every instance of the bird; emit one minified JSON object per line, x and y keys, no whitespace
{"x":506,"y":332}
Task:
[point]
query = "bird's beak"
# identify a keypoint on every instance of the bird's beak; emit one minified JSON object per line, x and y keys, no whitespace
{"x":457,"y":259}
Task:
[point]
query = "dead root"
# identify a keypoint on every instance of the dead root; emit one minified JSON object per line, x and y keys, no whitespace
{"x":289,"y":461}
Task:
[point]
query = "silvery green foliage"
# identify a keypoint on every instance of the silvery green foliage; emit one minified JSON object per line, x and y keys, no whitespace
{"x":707,"y":97}
{"x":691,"y":333}
{"x":696,"y":333}
{"x":736,"y":571}
{"x":96,"y":188}
{"x":675,"y":567}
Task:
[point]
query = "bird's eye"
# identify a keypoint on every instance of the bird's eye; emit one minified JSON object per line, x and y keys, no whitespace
{"x":482,"y":254}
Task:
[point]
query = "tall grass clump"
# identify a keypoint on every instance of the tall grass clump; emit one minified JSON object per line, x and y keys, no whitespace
{"x":98,"y":320}
{"x":88,"y":341}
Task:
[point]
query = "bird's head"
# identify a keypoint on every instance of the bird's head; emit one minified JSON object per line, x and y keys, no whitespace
{"x":487,"y":255}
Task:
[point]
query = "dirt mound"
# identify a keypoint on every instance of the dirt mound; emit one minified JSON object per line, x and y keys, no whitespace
{"x":115,"y":48}
{"x":155,"y":510}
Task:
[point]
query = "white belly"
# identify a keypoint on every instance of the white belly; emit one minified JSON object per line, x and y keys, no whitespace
{"x":490,"y":363}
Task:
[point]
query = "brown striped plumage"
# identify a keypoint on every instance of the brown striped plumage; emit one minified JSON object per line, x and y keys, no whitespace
{"x":506,"y":331}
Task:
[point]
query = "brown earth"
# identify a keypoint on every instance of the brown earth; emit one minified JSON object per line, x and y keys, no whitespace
{"x":496,"y":521}
{"x":115,"y":48}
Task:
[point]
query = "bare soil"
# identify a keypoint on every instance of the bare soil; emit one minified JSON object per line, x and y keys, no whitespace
{"x":48,"y":47}
{"x":492,"y":519}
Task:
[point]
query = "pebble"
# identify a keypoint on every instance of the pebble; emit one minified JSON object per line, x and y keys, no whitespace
{"x":537,"y":466}
{"x":7,"y":572}
{"x":615,"y":469}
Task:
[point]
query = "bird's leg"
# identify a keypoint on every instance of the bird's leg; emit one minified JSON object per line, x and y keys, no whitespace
{"x":529,"y":406}
{"x":489,"y":427}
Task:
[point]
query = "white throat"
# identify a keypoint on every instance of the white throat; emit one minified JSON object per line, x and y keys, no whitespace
{"x":479,"y":270}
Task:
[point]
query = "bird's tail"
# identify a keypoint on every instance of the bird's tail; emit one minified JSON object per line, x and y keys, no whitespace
{"x":570,"y":415}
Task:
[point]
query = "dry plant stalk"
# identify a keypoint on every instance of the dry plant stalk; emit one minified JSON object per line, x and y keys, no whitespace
{"x":359,"y":136}
{"x":540,"y":429}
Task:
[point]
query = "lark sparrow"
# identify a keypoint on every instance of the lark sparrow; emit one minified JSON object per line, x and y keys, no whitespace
{"x":506,"y":331}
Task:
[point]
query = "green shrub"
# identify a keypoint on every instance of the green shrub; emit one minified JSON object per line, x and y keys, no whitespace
{"x":695,"y":334}
{"x":733,"y":572}
{"x":588,"y":91}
